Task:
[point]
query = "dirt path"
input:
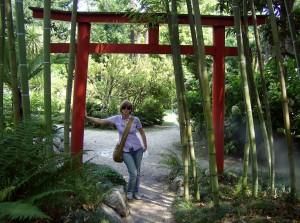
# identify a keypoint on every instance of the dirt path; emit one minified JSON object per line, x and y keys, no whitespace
{"x":157,"y":199}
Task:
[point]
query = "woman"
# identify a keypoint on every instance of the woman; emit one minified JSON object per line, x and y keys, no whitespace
{"x":133,"y":149}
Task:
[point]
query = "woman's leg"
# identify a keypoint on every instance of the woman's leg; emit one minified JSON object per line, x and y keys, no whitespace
{"x":138,"y":156}
{"x":132,"y":170}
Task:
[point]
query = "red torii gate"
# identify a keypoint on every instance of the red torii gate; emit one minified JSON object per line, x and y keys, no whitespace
{"x":84,"y":19}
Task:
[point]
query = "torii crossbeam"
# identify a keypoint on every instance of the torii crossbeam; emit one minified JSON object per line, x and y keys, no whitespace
{"x":84,"y":19}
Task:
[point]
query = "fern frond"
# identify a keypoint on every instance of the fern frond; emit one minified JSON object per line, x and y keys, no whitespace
{"x":21,"y":211}
{"x":45,"y":194}
{"x":6,"y":192}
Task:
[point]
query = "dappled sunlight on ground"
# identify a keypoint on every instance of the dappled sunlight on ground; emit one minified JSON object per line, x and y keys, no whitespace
{"x":171,"y":118}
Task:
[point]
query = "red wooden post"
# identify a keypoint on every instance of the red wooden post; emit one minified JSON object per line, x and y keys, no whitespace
{"x":218,"y":95}
{"x":153,"y":33}
{"x":82,"y":57}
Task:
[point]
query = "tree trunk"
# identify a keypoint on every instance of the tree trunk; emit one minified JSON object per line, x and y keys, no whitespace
{"x":254,"y":91}
{"x":13,"y":64}
{"x":47,"y":68}
{"x":265,"y":97}
{"x":71,"y":66}
{"x":204,"y":83}
{"x":2,"y":43}
{"x":22,"y":60}
{"x":284,"y":99}
{"x":250,"y":123}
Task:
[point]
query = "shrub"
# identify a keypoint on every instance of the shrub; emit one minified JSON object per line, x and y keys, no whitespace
{"x":151,"y":112}
{"x":37,"y":183}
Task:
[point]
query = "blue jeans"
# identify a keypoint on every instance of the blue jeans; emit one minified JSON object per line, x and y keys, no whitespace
{"x":133,"y":160}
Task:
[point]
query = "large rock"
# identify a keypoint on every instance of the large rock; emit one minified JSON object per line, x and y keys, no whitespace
{"x":111,"y":214}
{"x":117,"y":201}
{"x":177,"y":185}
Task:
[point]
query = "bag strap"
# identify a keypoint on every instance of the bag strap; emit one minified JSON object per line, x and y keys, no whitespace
{"x":126,"y":132}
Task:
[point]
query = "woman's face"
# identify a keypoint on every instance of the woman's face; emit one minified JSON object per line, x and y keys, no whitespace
{"x":126,"y":109}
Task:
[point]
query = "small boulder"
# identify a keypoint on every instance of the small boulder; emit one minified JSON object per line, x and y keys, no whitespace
{"x":117,"y":200}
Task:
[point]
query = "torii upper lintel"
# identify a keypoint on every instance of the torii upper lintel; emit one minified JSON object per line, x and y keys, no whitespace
{"x":84,"y":19}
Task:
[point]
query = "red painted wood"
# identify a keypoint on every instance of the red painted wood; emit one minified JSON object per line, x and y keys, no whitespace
{"x":142,"y":49}
{"x":218,"y":94}
{"x":122,"y":17}
{"x":79,"y":93}
{"x":153,"y":33}
{"x":138,"y":48}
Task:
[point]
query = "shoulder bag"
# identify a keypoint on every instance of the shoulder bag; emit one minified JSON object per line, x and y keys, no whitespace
{"x":118,"y":151}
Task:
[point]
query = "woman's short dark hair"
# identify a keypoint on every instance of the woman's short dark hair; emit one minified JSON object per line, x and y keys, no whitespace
{"x":126,"y":104}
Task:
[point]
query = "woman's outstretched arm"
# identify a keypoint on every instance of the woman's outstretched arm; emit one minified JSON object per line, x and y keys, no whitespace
{"x":98,"y":121}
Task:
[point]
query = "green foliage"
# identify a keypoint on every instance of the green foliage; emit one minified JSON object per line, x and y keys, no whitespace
{"x":172,"y":161}
{"x":235,"y":207}
{"x":234,"y":110}
{"x":89,"y":216}
{"x":41,"y":184}
{"x":151,"y":112}
{"x":296,"y":7}
{"x":21,"y":211}
{"x":293,"y":87}
{"x":186,"y":212}
{"x":27,"y":164}
{"x":104,"y":173}
{"x":148,"y":84}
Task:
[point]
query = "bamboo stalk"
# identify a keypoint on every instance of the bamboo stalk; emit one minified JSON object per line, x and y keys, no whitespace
{"x":246,"y":92}
{"x":2,"y":44}
{"x":47,"y":68}
{"x":22,"y":59}
{"x":204,"y":83}
{"x":71,"y":66}
{"x":13,"y":64}
{"x":284,"y":99}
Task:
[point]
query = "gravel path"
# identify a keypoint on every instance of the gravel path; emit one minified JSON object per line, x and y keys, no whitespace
{"x":157,"y":199}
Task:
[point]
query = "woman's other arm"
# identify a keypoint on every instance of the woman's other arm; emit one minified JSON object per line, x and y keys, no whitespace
{"x":142,"y":132}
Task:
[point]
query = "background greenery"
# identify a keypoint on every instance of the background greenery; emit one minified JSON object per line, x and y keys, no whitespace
{"x":147,"y":80}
